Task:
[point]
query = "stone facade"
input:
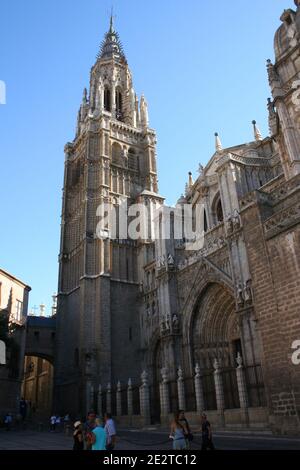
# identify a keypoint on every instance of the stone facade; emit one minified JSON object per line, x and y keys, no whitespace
{"x":14,"y":296}
{"x":209,"y":325}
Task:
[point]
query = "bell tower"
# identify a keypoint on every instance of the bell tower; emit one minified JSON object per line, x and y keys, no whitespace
{"x":284,"y":79}
{"x":111,"y":159}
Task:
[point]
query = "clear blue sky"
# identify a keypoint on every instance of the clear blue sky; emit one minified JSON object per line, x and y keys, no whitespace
{"x":201,"y":65}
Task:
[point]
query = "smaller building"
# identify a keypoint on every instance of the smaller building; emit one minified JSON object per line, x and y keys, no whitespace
{"x":38,"y":368}
{"x":14,"y":296}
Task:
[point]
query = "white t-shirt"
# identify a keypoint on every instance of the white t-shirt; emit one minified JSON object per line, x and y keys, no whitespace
{"x":53,"y":419}
{"x":110,"y":429}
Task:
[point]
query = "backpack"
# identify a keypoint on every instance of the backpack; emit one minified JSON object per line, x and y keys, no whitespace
{"x":90,"y":437}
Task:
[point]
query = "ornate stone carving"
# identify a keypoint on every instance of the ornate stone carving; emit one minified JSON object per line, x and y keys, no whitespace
{"x":175,"y":322}
{"x":248,"y":291}
{"x":240,"y":295}
{"x":144,"y":378}
{"x":164,"y":374}
{"x":171,"y":261}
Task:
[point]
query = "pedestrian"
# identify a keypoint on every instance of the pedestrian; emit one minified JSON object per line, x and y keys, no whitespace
{"x":188,"y":436}
{"x":23,"y":409}
{"x":67,"y":424}
{"x":88,"y":428}
{"x":99,"y":436}
{"x":178,"y":433}
{"x":57,"y":423}
{"x":111,"y":433}
{"x":52,"y":423}
{"x":207,"y":443}
{"x":78,"y":436}
{"x":8,"y":421}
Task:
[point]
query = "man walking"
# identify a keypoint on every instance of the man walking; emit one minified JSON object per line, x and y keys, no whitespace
{"x":207,"y":443}
{"x":111,"y":433}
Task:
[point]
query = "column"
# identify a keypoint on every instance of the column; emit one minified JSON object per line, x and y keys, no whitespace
{"x":219,"y":390}
{"x":145,"y":398}
{"x":242,"y":389}
{"x":119,"y":400}
{"x":99,"y":401}
{"x":199,"y":390}
{"x":181,"y":391}
{"x":92,"y":398}
{"x":88,"y":395}
{"x":108,"y":398}
{"x":164,"y":393}
{"x":129,"y":398}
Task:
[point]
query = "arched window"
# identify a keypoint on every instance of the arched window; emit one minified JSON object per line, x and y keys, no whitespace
{"x":116,"y":154}
{"x":107,"y":100}
{"x":205,"y":225}
{"x":119,"y":113}
{"x":219,"y":211}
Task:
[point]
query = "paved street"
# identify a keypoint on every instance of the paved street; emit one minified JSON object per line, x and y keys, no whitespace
{"x":144,"y":439}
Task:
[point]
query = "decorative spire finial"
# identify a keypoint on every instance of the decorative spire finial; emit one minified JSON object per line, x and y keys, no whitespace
{"x":111,"y":45}
{"x":84,"y":96}
{"x":257,"y":133}
{"x":191,"y":182}
{"x":111,"y":26}
{"x":219,"y":145}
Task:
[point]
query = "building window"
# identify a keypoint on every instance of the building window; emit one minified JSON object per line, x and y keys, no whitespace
{"x":19,"y":310}
{"x":132,"y":160}
{"x":107,"y":105}
{"x":119,"y":114}
{"x":219,"y":211}
{"x":116,"y":154}
{"x":205,"y":225}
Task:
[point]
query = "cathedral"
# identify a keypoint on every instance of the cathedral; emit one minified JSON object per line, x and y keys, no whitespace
{"x":146,"y":326}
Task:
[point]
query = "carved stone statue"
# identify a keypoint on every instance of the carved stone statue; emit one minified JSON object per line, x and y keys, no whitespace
{"x":163,"y":328}
{"x":229,"y":224}
{"x":248,"y":291}
{"x":240,"y":295}
{"x":216,"y":365}
{"x":175,"y":322}
{"x":273,"y":118}
{"x":144,"y":111}
{"x":236,"y":220}
{"x":274,"y":79}
{"x":239,"y":360}
{"x":167,"y":323}
{"x":197,"y":370}
{"x":180,"y":373}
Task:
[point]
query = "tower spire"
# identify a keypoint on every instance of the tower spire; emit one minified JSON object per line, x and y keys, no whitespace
{"x":111,"y":46}
{"x":111,"y":25}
